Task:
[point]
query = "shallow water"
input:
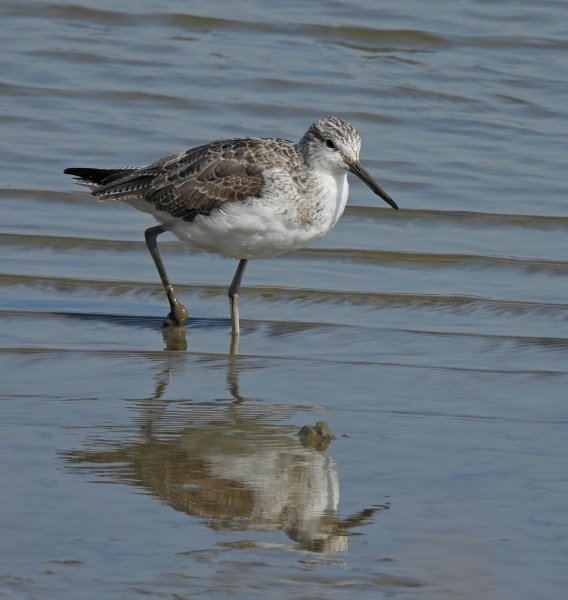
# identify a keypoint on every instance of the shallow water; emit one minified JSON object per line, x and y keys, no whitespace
{"x":432,"y":340}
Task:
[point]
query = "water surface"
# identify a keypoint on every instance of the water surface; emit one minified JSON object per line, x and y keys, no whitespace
{"x":432,"y":340}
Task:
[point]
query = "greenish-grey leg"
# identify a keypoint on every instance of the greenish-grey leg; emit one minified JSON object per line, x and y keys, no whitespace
{"x":178,"y":313}
{"x":234,"y":296}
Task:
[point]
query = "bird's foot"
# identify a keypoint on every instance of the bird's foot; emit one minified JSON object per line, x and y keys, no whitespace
{"x":177,"y":317}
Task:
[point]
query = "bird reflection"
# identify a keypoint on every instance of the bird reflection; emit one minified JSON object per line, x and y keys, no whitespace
{"x":231,"y":463}
{"x":175,"y":340}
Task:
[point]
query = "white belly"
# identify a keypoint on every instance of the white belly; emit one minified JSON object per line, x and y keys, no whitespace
{"x":274,"y":224}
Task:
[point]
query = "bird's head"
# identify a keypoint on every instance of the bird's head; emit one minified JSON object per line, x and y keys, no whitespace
{"x":332,"y":144}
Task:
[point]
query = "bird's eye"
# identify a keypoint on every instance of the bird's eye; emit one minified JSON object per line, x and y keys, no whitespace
{"x":329,"y":143}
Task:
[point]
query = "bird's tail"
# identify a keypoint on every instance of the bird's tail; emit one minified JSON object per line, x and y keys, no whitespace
{"x":95,"y":177}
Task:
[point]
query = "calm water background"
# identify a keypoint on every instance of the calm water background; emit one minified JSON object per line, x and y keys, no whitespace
{"x":433,"y":340}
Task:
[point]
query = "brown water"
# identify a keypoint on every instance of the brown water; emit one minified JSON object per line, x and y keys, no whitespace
{"x":432,"y":340}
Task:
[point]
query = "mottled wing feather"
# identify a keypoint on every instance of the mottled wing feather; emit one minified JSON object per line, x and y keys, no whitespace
{"x":202,"y":179}
{"x":192,"y":197}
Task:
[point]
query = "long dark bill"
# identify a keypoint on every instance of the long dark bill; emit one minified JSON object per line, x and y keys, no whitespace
{"x":357,"y":169}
